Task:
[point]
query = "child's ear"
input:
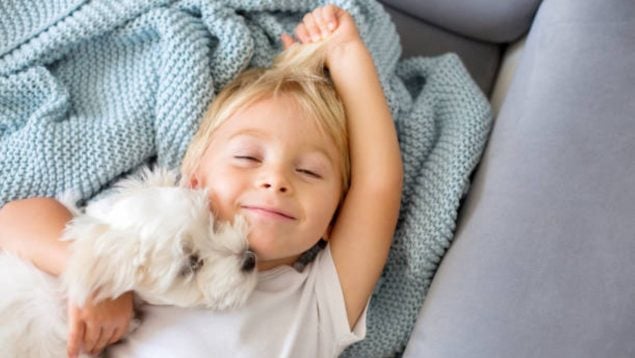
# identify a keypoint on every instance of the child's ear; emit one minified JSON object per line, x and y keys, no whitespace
{"x":193,"y":182}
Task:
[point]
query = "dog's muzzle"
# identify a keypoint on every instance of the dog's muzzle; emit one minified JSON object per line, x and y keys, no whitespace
{"x":249,"y":261}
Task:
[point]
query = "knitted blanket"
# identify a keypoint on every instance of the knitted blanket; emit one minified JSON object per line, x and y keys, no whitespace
{"x":91,"y":90}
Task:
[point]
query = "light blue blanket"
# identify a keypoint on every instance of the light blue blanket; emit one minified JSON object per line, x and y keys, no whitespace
{"x":90,"y":90}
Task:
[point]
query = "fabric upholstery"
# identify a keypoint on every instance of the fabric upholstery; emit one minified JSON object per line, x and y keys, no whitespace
{"x":486,"y":20}
{"x":419,"y":38}
{"x":543,"y":261}
{"x":109,"y":87}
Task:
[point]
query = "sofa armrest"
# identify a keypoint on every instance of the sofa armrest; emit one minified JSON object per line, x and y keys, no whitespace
{"x":543,"y":259}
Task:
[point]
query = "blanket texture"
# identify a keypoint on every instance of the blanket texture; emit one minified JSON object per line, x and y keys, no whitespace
{"x":91,"y":90}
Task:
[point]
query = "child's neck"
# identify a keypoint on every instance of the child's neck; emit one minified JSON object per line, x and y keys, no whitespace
{"x":271,"y":264}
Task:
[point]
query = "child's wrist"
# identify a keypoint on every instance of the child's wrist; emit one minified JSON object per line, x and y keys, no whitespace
{"x":346,"y":54}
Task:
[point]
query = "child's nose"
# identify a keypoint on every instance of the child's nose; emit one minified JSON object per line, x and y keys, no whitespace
{"x":281,"y":188}
{"x":276,"y":181}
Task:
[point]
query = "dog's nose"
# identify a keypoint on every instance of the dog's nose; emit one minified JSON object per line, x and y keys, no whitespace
{"x":249,"y":261}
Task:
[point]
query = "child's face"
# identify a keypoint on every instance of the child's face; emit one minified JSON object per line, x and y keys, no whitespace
{"x":272,"y":165}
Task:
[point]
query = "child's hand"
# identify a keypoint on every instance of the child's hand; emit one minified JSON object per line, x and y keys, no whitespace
{"x":329,"y":23}
{"x":95,"y":326}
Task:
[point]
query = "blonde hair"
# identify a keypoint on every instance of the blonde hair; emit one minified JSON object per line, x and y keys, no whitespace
{"x":299,"y":72}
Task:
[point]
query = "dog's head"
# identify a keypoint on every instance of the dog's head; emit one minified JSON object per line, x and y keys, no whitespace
{"x":224,"y":267}
{"x":161,"y":241}
{"x":188,"y":258}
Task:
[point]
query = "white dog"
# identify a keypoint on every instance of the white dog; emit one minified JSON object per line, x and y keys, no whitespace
{"x":150,"y":236}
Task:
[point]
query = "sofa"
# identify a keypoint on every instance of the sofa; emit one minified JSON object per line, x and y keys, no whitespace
{"x":542,"y":261}
{"x":543,"y":258}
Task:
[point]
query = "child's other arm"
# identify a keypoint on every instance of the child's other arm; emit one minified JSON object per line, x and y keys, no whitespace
{"x":362,"y":235}
{"x":31,"y":229}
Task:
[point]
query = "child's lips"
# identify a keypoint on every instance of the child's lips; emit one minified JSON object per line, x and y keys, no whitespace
{"x":268,"y":212}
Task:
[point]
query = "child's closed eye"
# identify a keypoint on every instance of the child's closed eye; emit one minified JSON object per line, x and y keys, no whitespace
{"x":246,"y":161}
{"x":247,"y":158}
{"x":310,"y":173}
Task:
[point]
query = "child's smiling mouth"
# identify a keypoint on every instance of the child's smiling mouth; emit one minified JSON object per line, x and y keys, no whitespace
{"x":268,"y":212}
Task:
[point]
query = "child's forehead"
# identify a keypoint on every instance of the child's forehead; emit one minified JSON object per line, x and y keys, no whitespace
{"x":280,"y":102}
{"x":279,"y":118}
{"x":281,"y":114}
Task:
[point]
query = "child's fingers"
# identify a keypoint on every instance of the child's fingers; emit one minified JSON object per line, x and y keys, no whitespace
{"x":75,"y":333}
{"x":287,"y":41}
{"x":302,"y":34}
{"x":328,"y":14}
{"x":117,"y":334}
{"x":312,"y":27}
{"x":92,"y":336}
{"x":103,"y":340}
{"x":318,"y":16}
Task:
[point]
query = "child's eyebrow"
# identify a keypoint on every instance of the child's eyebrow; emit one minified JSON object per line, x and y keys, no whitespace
{"x":248,"y":132}
{"x":321,"y":153}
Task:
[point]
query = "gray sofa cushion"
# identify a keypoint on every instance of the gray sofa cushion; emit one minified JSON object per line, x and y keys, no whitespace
{"x":543,"y":263}
{"x":487,"y":20}
{"x":421,"y":39}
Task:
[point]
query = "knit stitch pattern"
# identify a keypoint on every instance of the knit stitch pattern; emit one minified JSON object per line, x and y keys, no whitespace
{"x":91,"y":90}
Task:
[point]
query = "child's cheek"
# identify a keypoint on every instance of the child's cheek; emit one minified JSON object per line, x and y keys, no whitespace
{"x":224,"y":199}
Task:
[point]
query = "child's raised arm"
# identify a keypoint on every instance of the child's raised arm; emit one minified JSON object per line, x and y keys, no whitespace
{"x":362,"y":235}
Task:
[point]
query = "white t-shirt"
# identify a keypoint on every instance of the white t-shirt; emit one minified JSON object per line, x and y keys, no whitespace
{"x":290,"y":314}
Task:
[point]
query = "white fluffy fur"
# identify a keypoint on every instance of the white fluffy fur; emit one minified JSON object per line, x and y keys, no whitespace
{"x":150,"y":236}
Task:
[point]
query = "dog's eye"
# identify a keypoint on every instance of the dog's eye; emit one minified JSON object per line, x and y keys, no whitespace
{"x":192,"y":264}
{"x":195,"y":262}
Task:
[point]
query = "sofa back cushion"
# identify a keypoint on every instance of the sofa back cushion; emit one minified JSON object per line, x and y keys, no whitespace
{"x":486,"y":20}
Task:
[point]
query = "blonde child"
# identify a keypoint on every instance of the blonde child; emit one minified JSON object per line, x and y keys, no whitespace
{"x":304,"y":159}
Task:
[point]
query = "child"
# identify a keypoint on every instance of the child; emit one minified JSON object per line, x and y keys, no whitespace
{"x":303,"y":162}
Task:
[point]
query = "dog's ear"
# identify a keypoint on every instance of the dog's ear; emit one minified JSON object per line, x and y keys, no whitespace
{"x":101,"y":262}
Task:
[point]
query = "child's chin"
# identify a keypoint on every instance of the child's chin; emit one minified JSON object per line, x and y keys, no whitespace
{"x":264,"y":246}
{"x":265,"y":236}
